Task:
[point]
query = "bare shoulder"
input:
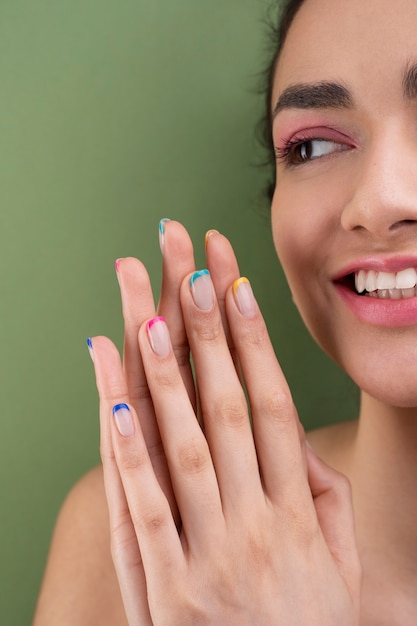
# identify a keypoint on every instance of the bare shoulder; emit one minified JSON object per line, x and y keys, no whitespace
{"x":80,"y":585}
{"x":334,"y":443}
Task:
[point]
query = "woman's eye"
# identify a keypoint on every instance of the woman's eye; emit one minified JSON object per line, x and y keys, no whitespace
{"x":298,"y":152}
{"x":315,"y":149}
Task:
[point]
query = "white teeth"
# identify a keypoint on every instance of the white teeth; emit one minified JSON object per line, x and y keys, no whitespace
{"x":395,"y":294}
{"x":385,"y":280}
{"x":370,"y":284}
{"x":406,"y":279}
{"x":387,"y":284}
{"x":360,"y":279}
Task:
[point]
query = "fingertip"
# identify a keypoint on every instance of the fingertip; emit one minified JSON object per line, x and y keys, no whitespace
{"x":177,"y":241}
{"x":210,"y":233}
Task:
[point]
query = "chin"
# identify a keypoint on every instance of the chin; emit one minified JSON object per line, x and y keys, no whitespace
{"x":394,"y":397}
{"x":389,"y":380}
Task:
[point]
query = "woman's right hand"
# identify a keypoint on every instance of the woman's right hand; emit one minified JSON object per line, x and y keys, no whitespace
{"x":138,"y":306}
{"x":267,"y":534}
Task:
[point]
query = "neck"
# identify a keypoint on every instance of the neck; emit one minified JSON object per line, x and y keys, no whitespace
{"x":383,"y":471}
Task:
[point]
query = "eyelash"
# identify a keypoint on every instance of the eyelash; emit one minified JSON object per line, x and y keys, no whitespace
{"x":287,"y":154}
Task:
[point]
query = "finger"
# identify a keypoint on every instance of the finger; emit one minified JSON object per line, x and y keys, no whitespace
{"x":137,"y":306}
{"x":333,"y":502}
{"x":224,"y":270}
{"x":177,"y":262}
{"x":275,"y":420}
{"x":226,"y":419}
{"x":192,"y":473}
{"x":126,"y":555}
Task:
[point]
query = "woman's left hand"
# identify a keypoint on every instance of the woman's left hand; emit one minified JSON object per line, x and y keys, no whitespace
{"x":267,"y":532}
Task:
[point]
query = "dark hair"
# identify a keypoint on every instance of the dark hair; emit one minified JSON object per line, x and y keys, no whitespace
{"x":278,"y":29}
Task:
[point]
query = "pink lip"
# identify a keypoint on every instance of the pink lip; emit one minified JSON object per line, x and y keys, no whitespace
{"x":378,"y":264}
{"x":378,"y":311}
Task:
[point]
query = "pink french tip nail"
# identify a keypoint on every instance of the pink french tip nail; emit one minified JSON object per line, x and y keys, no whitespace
{"x":117,"y":263}
{"x":158,"y":336}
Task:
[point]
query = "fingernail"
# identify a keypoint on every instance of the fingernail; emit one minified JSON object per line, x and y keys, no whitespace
{"x":244,"y":297}
{"x":116,"y":267}
{"x":162,"y":232}
{"x":90,"y":348}
{"x":209,"y":233}
{"x":158,"y":336}
{"x":123,"y":419}
{"x":202,"y":290}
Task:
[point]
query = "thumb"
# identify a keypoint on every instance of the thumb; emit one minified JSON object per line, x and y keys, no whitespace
{"x":332,"y":495}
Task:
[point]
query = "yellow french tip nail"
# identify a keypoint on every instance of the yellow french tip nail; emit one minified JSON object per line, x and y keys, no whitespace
{"x":209,"y":233}
{"x":238,"y":282}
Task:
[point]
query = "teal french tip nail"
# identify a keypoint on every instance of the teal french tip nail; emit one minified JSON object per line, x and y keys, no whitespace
{"x":197,"y":275}
{"x":162,"y":223}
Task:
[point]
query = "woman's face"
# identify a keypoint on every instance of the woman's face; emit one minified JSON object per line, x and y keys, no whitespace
{"x":345,"y":203}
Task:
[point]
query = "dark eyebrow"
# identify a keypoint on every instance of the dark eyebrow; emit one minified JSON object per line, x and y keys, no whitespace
{"x":323,"y":95}
{"x":410,"y":82}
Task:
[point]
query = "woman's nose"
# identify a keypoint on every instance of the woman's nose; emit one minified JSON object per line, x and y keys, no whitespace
{"x":384,"y":198}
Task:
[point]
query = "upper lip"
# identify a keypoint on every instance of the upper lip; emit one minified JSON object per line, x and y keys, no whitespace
{"x":379,"y":264}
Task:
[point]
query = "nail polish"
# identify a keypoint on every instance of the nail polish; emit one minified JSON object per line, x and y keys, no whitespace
{"x":202,"y":290}
{"x":244,"y":297}
{"x":123,"y":419}
{"x":158,"y":336}
{"x":90,"y":348}
{"x":162,"y":223}
{"x":209,"y":233}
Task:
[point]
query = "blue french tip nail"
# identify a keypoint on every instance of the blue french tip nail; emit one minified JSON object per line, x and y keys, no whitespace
{"x":197,"y":275}
{"x":119,"y":407}
{"x":90,"y":348}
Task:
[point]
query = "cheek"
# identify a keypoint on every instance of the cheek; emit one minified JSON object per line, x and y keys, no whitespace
{"x":297,"y":236}
{"x":305,"y":235}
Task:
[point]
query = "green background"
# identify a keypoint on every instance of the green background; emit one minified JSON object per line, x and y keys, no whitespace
{"x":113,"y":115}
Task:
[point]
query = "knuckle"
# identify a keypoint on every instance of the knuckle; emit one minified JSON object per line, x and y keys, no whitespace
{"x":114,"y":390}
{"x":194,"y":457}
{"x":132,"y":460}
{"x":300,"y":522}
{"x":208,"y":331}
{"x":277,"y":406}
{"x":343,"y":486}
{"x":123,"y":543}
{"x":255,"y":335}
{"x":106,"y":453}
{"x":259,"y":551}
{"x":165,"y":377}
{"x":230,"y":411}
{"x":150,"y":522}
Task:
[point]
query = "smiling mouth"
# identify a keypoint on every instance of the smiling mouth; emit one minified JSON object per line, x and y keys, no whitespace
{"x":384,"y":285}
